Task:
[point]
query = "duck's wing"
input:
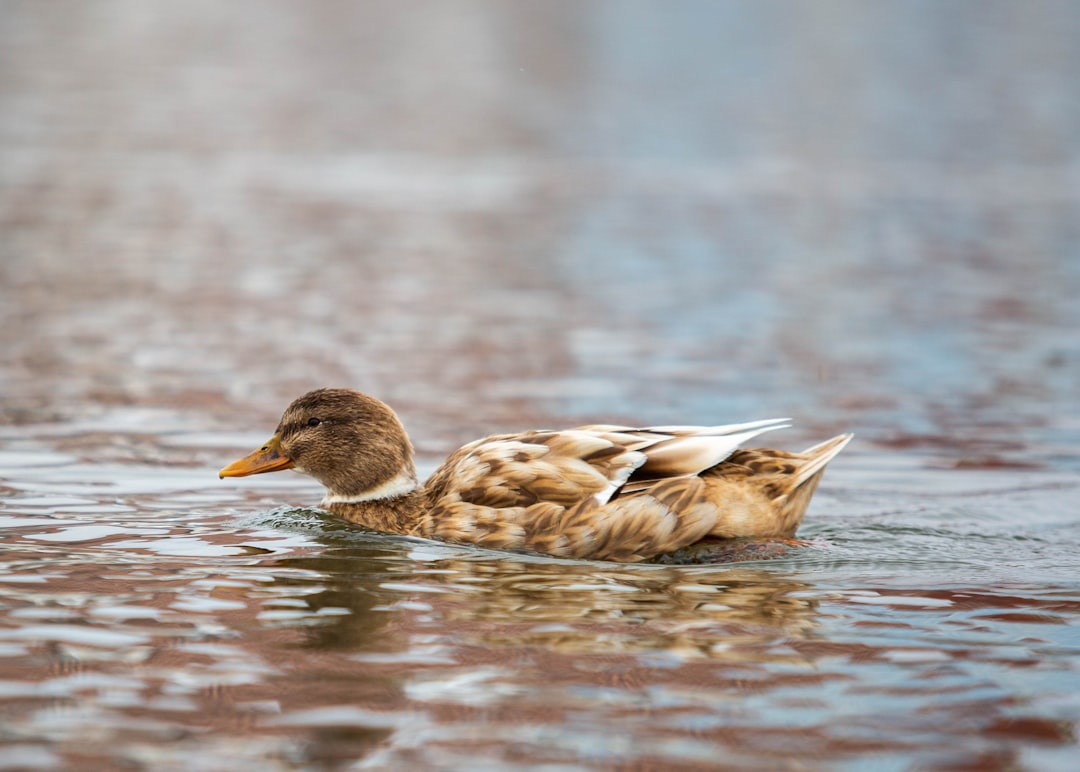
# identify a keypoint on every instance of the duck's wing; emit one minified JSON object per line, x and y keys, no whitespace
{"x":562,"y":492}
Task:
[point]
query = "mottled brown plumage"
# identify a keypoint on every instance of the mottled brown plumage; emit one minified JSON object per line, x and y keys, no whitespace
{"x":600,"y":492}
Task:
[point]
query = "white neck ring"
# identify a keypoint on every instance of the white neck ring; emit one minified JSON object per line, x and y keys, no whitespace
{"x":405,"y":482}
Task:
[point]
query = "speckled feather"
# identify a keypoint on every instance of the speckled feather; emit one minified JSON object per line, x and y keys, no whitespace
{"x":496,"y":493}
{"x":600,"y":492}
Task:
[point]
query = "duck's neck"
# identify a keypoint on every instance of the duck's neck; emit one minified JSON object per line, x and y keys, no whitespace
{"x":396,"y":506}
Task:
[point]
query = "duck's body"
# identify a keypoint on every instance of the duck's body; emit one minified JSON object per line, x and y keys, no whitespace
{"x":597,"y":492}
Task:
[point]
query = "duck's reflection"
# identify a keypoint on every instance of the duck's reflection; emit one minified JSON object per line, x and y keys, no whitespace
{"x":424,"y":634}
{"x":398,"y":595}
{"x":593,"y":609}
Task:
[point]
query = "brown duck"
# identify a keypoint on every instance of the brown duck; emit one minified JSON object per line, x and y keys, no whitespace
{"x":599,"y":492}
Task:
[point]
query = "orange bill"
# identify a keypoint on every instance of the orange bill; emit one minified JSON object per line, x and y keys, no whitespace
{"x":268,"y":458}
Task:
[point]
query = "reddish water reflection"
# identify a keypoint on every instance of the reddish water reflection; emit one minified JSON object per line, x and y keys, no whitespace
{"x":168,"y":636}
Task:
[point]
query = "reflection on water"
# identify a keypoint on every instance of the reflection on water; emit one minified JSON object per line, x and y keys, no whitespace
{"x":158,"y":636}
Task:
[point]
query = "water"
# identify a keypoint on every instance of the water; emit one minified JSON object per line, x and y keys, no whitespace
{"x":154,"y":617}
{"x":502,"y":217}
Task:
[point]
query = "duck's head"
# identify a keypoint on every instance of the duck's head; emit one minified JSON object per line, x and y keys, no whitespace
{"x":350,"y":442}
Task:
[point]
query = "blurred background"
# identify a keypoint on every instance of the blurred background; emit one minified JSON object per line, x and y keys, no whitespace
{"x":498,"y":215}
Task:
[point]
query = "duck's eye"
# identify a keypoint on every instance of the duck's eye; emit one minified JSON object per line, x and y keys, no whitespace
{"x":314,"y":421}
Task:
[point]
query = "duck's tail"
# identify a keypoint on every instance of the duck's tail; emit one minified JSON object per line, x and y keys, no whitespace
{"x":807,"y":478}
{"x":812,"y":463}
{"x":818,"y":456}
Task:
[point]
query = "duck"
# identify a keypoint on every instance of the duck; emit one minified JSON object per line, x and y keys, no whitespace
{"x":594,"y":492}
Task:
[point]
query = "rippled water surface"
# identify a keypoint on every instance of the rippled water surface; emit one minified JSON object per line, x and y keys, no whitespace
{"x":154,"y":618}
{"x":503,"y":216}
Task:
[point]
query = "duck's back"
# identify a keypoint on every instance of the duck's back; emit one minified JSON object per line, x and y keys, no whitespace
{"x":619,"y":493}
